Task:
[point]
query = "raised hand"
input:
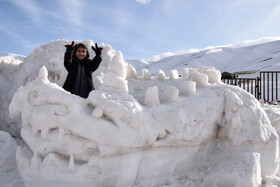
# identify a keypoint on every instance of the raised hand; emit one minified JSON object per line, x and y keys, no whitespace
{"x":97,"y":49}
{"x":70,"y":47}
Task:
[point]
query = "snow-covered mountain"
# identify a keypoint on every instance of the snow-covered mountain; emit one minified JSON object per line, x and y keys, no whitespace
{"x":259,"y":55}
{"x":139,"y":127}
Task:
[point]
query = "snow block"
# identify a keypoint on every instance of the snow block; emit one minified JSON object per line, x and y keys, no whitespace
{"x":187,"y":88}
{"x":201,"y":79}
{"x":131,"y":72}
{"x":173,"y":74}
{"x":152,"y":98}
{"x":185,"y":73}
{"x":146,"y":74}
{"x":161,"y":75}
{"x":170,"y":94}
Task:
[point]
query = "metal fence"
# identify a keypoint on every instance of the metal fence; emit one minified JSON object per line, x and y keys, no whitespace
{"x":248,"y":84}
{"x":265,"y":87}
{"x":269,"y":85}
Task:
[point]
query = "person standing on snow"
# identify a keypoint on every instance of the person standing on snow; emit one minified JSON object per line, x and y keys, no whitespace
{"x":80,"y":68}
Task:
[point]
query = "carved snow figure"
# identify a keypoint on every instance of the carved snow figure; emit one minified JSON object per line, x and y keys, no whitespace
{"x":121,"y":135}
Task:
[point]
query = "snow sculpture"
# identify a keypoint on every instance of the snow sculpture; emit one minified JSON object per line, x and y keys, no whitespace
{"x":173,"y":74}
{"x":107,"y":54}
{"x":170,"y":94}
{"x":131,"y":72}
{"x":7,"y":151}
{"x":201,"y":79}
{"x":192,"y":71}
{"x":187,"y":88}
{"x":8,"y":169}
{"x":161,"y":75}
{"x":49,"y":55}
{"x":112,"y":80}
{"x":114,"y":72}
{"x":185,"y":73}
{"x":115,"y":138}
{"x":152,"y":98}
{"x":97,"y":112}
{"x":214,"y":75}
{"x":117,"y":65}
{"x":146,"y":74}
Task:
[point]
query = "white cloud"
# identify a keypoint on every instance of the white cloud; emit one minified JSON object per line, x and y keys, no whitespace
{"x":143,"y":1}
{"x":29,"y":7}
{"x":73,"y":10}
{"x":273,"y":17}
{"x":268,"y":26}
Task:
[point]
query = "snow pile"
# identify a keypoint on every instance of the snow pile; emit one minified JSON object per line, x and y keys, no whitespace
{"x":9,"y":65}
{"x":143,"y":131}
{"x":7,"y":150}
{"x":8,"y":167}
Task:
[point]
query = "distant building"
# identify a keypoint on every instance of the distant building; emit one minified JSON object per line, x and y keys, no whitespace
{"x":227,"y":75}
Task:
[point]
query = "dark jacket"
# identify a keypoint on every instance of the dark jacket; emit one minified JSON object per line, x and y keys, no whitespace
{"x":79,"y":78}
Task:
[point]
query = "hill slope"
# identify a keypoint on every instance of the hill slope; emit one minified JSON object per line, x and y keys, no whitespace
{"x":232,"y":58}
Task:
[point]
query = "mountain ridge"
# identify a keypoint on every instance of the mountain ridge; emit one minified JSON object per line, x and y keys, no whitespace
{"x":259,"y":57}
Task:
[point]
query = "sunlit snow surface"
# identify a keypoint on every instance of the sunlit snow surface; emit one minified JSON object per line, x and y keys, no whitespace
{"x":136,"y":130}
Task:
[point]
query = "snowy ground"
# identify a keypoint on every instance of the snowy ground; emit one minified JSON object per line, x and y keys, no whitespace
{"x":137,"y":129}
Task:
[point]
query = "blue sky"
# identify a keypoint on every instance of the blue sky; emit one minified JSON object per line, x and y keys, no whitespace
{"x":138,"y":28}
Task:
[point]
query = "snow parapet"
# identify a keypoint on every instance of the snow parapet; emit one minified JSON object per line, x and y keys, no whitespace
{"x":143,"y":131}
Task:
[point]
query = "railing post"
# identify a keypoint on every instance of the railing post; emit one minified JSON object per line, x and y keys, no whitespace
{"x":251,"y":84}
{"x":263,"y":86}
{"x":272,"y":86}
{"x":277,"y":85}
{"x":267,"y":86}
{"x":257,"y":88}
{"x":260,"y":86}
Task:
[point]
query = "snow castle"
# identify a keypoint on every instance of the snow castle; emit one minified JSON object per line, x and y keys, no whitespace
{"x":147,"y":130}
